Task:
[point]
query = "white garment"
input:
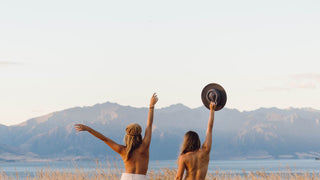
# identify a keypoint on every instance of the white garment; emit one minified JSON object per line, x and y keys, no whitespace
{"x":129,"y":176}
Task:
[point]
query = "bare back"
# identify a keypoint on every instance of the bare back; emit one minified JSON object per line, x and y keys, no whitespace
{"x":196,"y":164}
{"x":138,"y":162}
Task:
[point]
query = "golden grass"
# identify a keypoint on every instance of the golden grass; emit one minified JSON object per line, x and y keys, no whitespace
{"x":113,"y":172}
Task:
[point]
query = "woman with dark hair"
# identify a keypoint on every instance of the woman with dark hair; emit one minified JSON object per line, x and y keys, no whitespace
{"x":193,"y":158}
{"x":135,"y":152}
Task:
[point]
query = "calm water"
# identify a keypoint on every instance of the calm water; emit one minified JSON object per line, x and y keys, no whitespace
{"x":295,"y":165}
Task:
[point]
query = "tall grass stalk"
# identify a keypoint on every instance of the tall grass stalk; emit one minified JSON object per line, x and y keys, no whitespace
{"x":113,"y":172}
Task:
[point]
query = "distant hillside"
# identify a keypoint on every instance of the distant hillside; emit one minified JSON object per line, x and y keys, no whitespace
{"x":263,"y":133}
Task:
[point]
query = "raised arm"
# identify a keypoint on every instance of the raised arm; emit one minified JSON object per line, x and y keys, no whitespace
{"x":147,"y":136}
{"x":208,"y":141}
{"x":113,"y":145}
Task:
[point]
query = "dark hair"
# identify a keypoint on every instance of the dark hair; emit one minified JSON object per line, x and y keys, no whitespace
{"x":191,"y":142}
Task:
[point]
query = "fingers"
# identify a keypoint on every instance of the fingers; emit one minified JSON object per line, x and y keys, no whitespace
{"x":154,"y":99}
{"x":78,"y":127}
{"x":155,"y":96}
{"x":212,"y":105}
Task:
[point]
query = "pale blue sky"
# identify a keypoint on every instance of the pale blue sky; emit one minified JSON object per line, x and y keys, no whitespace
{"x":60,"y":54}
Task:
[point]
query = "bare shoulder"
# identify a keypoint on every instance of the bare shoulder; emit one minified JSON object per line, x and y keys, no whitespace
{"x":182,"y":156}
{"x":189,"y":156}
{"x":193,"y":156}
{"x":205,"y":150}
{"x":144,"y":146}
{"x":123,"y":151}
{"x":182,"y":159}
{"x":203,"y":155}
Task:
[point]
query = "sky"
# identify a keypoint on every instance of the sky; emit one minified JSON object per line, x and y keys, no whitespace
{"x":60,"y":54}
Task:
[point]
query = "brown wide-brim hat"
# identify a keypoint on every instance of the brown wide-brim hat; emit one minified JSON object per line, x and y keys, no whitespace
{"x":212,"y":92}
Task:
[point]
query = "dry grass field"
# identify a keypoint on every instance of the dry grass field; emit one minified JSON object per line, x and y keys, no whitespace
{"x":163,"y":174}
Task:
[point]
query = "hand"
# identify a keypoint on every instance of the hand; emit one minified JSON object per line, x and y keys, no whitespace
{"x":212,"y":106}
{"x":80,"y":127}
{"x":154,"y":100}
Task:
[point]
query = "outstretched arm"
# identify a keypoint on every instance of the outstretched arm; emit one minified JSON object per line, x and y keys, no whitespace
{"x":208,"y":141}
{"x":113,"y":145}
{"x":147,"y":136}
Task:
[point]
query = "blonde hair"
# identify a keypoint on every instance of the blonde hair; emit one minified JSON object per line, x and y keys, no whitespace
{"x":191,"y":142}
{"x":133,"y":138}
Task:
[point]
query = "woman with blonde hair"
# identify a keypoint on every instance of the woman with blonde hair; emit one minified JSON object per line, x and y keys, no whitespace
{"x":135,"y":152}
{"x":193,"y":158}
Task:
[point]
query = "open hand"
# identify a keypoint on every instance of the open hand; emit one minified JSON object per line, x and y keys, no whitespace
{"x":154,"y":100}
{"x":80,"y":127}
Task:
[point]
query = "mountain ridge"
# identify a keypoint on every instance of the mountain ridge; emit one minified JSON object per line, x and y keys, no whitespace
{"x":262,"y":133}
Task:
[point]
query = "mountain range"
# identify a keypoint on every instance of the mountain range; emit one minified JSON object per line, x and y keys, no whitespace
{"x":265,"y":133}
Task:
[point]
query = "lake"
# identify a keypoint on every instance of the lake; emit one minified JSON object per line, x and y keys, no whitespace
{"x":230,"y":166}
